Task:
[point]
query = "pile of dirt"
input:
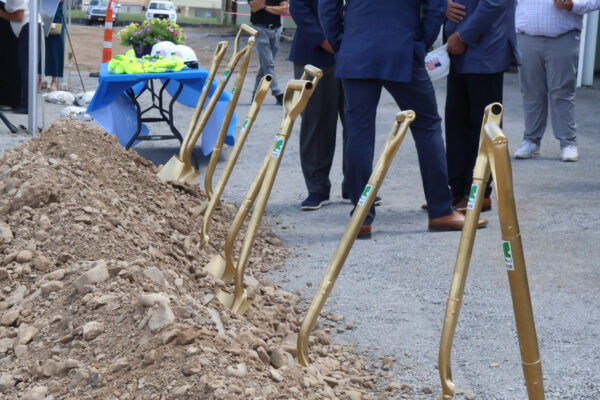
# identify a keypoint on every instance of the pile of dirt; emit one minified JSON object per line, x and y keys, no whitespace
{"x":103,"y":293}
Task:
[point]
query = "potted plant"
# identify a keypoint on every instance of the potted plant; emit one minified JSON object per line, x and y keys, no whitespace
{"x":142,"y":36}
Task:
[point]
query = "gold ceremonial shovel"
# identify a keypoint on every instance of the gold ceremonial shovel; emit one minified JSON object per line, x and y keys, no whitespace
{"x":224,"y":267}
{"x":235,"y":93}
{"x":217,"y":58}
{"x":179,"y":168}
{"x":209,"y":207}
{"x":296,"y":97}
{"x":179,"y":165}
{"x":403,"y":121}
{"x":493,"y":157}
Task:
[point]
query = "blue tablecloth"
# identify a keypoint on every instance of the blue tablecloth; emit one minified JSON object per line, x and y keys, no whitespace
{"x":115,"y":112}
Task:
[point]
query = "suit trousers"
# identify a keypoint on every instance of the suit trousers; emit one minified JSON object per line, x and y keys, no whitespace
{"x":548,"y":73}
{"x":362,"y":98}
{"x":466,"y":98}
{"x":318,"y":131}
{"x":267,"y":46}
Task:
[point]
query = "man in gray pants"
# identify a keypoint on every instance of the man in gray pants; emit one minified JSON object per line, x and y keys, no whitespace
{"x":266,"y":19}
{"x":548,"y":34}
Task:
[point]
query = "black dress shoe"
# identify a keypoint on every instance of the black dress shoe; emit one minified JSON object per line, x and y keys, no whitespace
{"x":279,"y":99}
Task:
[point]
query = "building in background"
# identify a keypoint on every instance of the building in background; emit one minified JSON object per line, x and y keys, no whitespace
{"x":132,"y":6}
{"x":199,"y":8}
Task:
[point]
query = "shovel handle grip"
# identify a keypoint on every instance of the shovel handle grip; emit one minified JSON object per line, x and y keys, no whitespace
{"x":493,"y":132}
{"x":249,"y":30}
{"x":311,"y":70}
{"x":262,"y":90}
{"x":299,"y":85}
{"x":404,"y":115}
{"x":220,"y":50}
{"x":403,"y":121}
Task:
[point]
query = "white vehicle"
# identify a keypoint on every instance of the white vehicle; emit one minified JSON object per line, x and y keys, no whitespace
{"x":96,"y":11}
{"x":162,"y":9}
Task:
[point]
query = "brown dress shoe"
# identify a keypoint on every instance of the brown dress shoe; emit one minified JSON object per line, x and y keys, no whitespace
{"x":452,"y":222}
{"x":365,"y":232}
{"x":461,"y":206}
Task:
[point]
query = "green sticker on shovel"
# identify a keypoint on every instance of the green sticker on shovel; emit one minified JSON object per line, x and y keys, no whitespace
{"x":225,"y":74}
{"x":472,"y":195}
{"x":277,"y":148}
{"x":363,"y":197}
{"x":508,"y":258}
{"x":244,"y":125}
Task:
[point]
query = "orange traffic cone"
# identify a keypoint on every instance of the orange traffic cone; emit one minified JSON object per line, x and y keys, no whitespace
{"x":108,"y":25}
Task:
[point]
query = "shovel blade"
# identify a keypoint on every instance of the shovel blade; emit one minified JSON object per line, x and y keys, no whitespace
{"x":237,"y":305}
{"x":174,"y":170}
{"x":190,"y":176}
{"x":216,"y":266}
{"x":241,"y":304}
{"x":226,"y":298}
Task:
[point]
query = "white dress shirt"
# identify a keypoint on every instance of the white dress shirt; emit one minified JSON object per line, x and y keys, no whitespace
{"x":543,"y":18}
{"x":15,"y":5}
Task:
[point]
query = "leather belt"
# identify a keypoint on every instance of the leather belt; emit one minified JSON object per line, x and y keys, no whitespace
{"x":269,"y":26}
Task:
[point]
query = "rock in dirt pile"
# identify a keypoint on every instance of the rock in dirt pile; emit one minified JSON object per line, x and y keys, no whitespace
{"x":103,"y":293}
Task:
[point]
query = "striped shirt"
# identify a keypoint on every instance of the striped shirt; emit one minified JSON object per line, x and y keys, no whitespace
{"x":543,"y":18}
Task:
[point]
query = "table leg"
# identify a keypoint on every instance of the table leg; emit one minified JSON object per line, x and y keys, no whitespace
{"x":133,"y":98}
{"x":171,"y":104}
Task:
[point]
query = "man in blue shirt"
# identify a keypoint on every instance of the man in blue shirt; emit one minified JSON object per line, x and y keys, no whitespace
{"x":481,"y":42}
{"x":383,"y":44}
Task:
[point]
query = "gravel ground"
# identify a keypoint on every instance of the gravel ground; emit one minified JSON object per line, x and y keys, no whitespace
{"x":394,"y":287}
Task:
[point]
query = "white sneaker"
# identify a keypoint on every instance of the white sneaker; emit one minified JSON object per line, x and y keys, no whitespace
{"x":527,"y":149}
{"x":569,"y":153}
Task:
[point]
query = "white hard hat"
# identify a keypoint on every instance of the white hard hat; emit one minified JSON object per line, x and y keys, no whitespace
{"x":437,"y":63}
{"x":163,"y":48}
{"x":188,"y":56}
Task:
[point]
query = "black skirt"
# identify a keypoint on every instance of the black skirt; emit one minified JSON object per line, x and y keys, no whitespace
{"x":10,"y":75}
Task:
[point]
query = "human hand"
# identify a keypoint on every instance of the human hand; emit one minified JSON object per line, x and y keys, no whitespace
{"x":564,"y":4}
{"x":455,"y":11}
{"x":455,"y":45}
{"x":327,"y":47}
{"x":257,"y":5}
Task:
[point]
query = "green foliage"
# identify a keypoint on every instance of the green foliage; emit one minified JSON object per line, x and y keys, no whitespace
{"x":188,"y":20}
{"x":150,"y":32}
{"x":139,"y":17}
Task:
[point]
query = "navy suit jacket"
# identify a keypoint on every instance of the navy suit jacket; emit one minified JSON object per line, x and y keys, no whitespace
{"x":309,"y":35}
{"x":488,"y":29}
{"x":379,"y":39}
